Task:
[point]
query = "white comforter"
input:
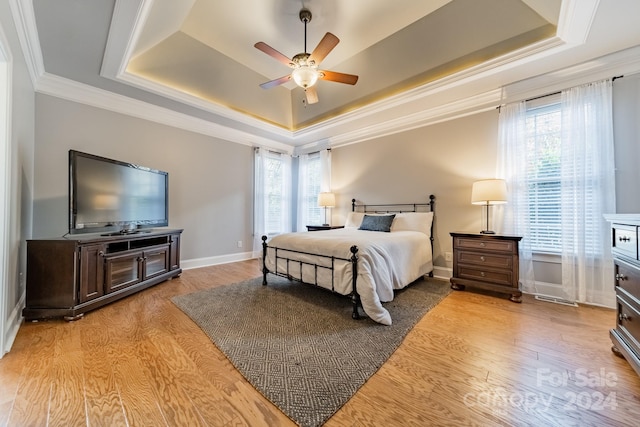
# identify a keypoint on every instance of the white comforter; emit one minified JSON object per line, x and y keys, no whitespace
{"x":386,"y":261}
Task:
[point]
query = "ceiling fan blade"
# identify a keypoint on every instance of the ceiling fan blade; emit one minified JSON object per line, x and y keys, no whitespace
{"x":326,"y":45}
{"x":333,"y":76}
{"x":276,"y":82}
{"x":274,"y":53}
{"x":312,"y":95}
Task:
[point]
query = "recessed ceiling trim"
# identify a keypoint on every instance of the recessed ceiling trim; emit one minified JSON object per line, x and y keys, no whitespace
{"x":195,"y":101}
{"x":576,"y":18}
{"x":125,"y":27}
{"x":527,"y":54}
{"x":126,"y":23}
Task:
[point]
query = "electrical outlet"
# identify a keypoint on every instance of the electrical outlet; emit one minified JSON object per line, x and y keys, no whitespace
{"x":239,"y":243}
{"x":448,"y":256}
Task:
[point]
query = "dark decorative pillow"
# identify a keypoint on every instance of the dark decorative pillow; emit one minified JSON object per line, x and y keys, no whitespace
{"x":377,"y":222}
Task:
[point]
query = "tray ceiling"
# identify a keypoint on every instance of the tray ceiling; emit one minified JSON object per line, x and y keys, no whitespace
{"x":193,"y":64}
{"x":205,"y":48}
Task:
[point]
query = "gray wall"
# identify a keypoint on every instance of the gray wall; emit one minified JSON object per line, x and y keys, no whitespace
{"x":444,"y":159}
{"x":210,"y":180}
{"x":20,"y":175}
{"x":626,"y":127}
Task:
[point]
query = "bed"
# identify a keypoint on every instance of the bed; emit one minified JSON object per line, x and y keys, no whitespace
{"x":381,"y":248}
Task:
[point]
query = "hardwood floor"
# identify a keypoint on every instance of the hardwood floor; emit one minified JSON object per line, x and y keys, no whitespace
{"x":474,"y":359}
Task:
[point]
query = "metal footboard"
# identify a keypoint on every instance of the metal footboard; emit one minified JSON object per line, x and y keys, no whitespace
{"x":297,"y":265}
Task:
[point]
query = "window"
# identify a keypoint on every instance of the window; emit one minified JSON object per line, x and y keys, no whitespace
{"x":310,"y":182}
{"x":272,"y":195}
{"x":314,"y":177}
{"x":543,"y":136}
{"x":558,"y":160}
{"x":274,"y":191}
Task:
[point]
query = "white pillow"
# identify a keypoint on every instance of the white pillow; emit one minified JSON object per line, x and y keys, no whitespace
{"x":413,"y":221}
{"x":354,"y":219}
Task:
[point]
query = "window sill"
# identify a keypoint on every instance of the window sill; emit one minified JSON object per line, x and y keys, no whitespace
{"x":547,"y":257}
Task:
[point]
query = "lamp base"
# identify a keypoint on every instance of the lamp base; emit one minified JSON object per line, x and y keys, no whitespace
{"x":325,"y":225}
{"x":487,"y":232}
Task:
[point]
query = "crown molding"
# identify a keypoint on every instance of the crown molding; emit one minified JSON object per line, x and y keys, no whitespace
{"x":463,"y":93}
{"x":619,"y":63}
{"x":70,"y":90}
{"x":453,"y":110}
{"x":25,"y":22}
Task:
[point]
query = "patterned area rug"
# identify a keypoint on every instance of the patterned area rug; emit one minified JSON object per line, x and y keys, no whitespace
{"x":298,"y":345}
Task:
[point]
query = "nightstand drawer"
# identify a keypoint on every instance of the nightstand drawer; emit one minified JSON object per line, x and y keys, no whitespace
{"x":498,"y":277}
{"x":485,"y":259}
{"x":484,"y":244}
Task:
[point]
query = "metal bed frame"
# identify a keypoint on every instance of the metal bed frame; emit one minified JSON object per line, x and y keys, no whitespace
{"x":294,"y":264}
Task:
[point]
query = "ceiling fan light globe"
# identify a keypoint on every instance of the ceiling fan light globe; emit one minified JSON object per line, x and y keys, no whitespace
{"x":305,"y":76}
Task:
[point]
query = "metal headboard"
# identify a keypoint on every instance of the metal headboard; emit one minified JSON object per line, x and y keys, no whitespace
{"x":393,"y":207}
{"x":398,"y":208}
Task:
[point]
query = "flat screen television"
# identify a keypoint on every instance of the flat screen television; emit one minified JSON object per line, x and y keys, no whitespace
{"x":111,"y":196}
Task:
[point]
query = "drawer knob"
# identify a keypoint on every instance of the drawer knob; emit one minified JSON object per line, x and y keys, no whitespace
{"x":623,"y":316}
{"x":482,"y":258}
{"x":483,"y":244}
{"x":621,"y":277}
{"x":624,"y":238}
{"x":482,"y":273}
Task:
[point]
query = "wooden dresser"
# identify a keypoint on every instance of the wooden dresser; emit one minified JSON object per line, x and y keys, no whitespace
{"x":624,"y":246}
{"x":486,"y":261}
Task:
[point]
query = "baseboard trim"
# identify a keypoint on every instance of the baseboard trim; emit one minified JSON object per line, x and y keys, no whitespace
{"x":13,"y":325}
{"x":444,"y":273}
{"x":215,"y":260}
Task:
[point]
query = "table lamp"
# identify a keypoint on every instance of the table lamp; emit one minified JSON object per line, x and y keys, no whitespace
{"x":326,"y":200}
{"x":489,"y":192}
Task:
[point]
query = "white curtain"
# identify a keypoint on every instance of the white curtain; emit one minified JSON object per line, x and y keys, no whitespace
{"x":513,"y":161}
{"x":272,"y":196}
{"x":314,"y":177}
{"x":587,"y":189}
{"x":587,"y":192}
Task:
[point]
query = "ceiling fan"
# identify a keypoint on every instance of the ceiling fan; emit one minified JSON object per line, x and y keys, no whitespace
{"x":305,"y":66}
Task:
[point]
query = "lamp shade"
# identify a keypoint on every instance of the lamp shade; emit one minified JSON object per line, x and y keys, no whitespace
{"x":326,"y":200}
{"x":489,"y":192}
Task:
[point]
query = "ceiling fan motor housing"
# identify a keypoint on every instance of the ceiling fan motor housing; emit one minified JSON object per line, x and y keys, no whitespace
{"x":305,"y":15}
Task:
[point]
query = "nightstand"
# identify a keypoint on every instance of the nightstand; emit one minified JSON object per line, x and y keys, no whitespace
{"x":486,"y":261}
{"x":323,"y":227}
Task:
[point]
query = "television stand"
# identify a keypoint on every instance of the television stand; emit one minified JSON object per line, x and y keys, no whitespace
{"x":69,"y":276}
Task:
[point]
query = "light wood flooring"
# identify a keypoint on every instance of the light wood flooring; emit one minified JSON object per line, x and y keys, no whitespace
{"x":475,"y":359}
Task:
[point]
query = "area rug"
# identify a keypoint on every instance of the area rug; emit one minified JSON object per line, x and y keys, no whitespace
{"x":298,"y":345}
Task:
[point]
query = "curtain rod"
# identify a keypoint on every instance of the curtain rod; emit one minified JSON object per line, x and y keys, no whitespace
{"x":613,"y":79}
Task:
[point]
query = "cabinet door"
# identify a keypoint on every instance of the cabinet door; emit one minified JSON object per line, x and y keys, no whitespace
{"x":174,"y":252}
{"x":91,"y":272}
{"x":123,"y":270}
{"x":156,"y":261}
